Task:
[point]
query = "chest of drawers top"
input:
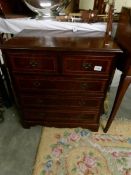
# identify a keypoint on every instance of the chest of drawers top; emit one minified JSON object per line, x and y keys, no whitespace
{"x":61,"y":41}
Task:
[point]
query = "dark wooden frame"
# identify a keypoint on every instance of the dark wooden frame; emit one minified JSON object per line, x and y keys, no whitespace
{"x":123,"y":39}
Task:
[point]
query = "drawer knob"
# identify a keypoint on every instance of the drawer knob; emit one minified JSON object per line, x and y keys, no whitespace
{"x":84,"y":85}
{"x":33,"y":63}
{"x":87,"y":66}
{"x":36,"y":83}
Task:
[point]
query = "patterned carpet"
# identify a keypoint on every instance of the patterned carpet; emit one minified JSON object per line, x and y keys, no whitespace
{"x":82,"y":152}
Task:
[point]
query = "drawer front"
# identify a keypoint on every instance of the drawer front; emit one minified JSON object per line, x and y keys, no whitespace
{"x":61,"y":116}
{"x":61,"y":101}
{"x":33,"y":63}
{"x":85,"y":65}
{"x":59,"y":84}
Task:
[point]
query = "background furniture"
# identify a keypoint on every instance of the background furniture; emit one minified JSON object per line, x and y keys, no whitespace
{"x":10,"y":8}
{"x":100,"y":6}
{"x":123,"y":38}
{"x":60,"y":78}
{"x":18,"y":7}
{"x":6,"y":97}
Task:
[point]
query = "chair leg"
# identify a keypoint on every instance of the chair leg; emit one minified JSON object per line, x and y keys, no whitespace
{"x":123,"y":85}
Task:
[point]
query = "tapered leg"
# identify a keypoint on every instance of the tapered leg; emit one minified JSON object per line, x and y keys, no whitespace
{"x":123,"y":85}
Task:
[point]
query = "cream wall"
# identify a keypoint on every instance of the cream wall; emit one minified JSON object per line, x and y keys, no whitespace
{"x":88,"y":4}
{"x":120,"y":3}
{"x":128,"y":3}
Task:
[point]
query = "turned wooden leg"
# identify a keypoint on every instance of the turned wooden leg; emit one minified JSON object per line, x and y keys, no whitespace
{"x":123,"y":85}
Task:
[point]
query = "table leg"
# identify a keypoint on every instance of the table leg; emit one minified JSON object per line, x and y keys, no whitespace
{"x":123,"y":85}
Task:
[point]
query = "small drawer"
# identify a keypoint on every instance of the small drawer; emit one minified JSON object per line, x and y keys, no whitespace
{"x":61,"y":101}
{"x":33,"y":63}
{"x":61,"y":116}
{"x":25,"y":83}
{"x":85,"y":65}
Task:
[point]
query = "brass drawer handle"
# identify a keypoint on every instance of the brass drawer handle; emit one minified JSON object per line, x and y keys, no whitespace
{"x":36,"y":84}
{"x":33,"y":63}
{"x":84,"y":85}
{"x":87,"y":66}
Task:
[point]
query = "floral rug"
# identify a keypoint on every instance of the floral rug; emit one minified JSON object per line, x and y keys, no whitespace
{"x":82,"y":152}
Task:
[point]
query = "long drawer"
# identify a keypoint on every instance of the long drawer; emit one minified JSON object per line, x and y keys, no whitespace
{"x":30,"y":83}
{"x":83,"y":102}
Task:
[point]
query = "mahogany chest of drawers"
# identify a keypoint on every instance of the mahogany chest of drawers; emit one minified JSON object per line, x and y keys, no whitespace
{"x":60,"y":78}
